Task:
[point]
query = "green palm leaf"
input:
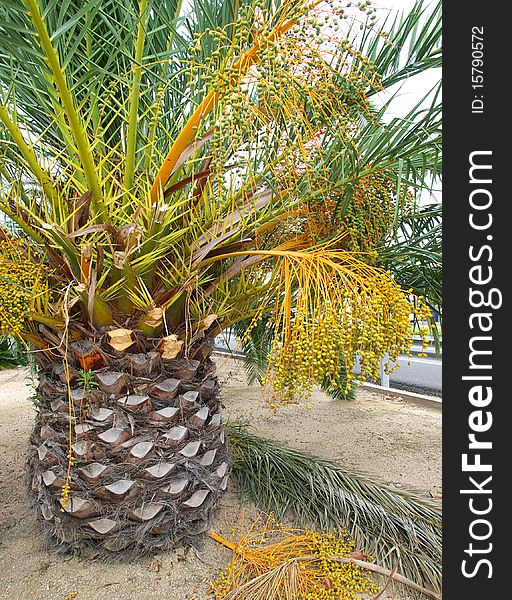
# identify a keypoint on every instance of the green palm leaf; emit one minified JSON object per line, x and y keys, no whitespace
{"x":144,"y":142}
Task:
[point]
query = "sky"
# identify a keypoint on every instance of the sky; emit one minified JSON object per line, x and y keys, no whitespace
{"x":411,"y":91}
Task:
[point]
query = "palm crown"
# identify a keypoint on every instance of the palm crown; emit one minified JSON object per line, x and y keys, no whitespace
{"x":172,"y":170}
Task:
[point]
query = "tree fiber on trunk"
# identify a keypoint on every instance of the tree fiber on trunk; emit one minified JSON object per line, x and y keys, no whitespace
{"x":150,"y":456}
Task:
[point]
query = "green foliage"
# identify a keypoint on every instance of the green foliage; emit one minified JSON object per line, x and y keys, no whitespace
{"x":256,"y":346}
{"x":337,"y":387}
{"x":151,"y":149}
{"x":11,"y":353}
{"x":86,"y":379}
{"x":414,"y":256}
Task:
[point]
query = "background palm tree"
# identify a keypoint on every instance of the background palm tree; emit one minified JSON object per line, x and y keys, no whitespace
{"x":414,"y":257}
{"x":166,"y":166}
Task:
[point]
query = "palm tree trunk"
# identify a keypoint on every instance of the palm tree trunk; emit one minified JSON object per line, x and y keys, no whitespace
{"x":149,"y":457}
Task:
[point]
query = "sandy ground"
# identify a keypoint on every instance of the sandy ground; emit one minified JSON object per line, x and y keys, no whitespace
{"x":387,"y":439}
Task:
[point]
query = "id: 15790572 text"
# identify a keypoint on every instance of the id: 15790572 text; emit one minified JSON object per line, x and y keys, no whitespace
{"x":477,"y":70}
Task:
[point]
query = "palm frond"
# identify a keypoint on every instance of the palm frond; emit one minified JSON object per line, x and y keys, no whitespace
{"x":410,"y":45}
{"x":173,"y":148}
{"x":11,"y":353}
{"x":414,"y":256}
{"x":389,"y":525}
{"x":256,"y":346}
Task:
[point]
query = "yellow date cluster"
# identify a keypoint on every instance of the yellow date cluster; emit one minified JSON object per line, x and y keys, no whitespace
{"x":19,"y":278}
{"x":369,"y":322}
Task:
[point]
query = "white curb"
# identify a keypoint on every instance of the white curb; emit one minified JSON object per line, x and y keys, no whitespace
{"x":420,"y":399}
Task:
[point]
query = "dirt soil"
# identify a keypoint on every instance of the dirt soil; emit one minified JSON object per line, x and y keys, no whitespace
{"x":386,"y":438}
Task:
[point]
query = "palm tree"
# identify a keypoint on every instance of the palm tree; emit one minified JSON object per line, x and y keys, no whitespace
{"x":164,"y":165}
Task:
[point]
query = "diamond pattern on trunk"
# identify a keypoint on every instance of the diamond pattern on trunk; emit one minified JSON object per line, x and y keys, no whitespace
{"x":92,"y":472}
{"x":169,"y":414}
{"x":88,"y":355}
{"x":145,"y":445}
{"x":114,"y":436}
{"x":196,"y":500}
{"x":166,"y":390}
{"x":49,"y":434}
{"x":177,"y":487}
{"x":215,"y":421}
{"x":120,"y":487}
{"x":101,"y":414}
{"x":199,"y":419}
{"x":120,"y":339}
{"x":207,"y":387}
{"x":185,"y":369}
{"x":62,"y":372}
{"x":80,"y":507}
{"x":83,"y":429}
{"x":176,"y":435}
{"x":141,"y":450}
{"x":104,"y":526}
{"x":112,"y":382}
{"x":142,"y":365}
{"x":145,"y":512}
{"x":137,"y":403}
{"x":208,"y":458}
{"x":86,"y":450}
{"x":79,"y":395}
{"x":59,"y":406}
{"x":188,"y":400}
{"x":190,"y":450}
{"x":117,"y":543}
{"x":222,"y":470}
{"x":46,"y":456}
{"x":160,"y":528}
{"x":117,"y":490}
{"x":203,"y":351}
{"x":52,"y":480}
{"x":50,"y":388}
{"x":158,"y":471}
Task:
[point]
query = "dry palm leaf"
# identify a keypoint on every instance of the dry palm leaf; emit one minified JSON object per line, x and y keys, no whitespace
{"x":273,"y":561}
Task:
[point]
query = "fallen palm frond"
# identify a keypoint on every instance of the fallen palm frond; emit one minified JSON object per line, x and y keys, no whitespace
{"x":389,"y":525}
{"x":273,"y":561}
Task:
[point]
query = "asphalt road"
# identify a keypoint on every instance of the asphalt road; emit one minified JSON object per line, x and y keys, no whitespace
{"x":423,"y":375}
